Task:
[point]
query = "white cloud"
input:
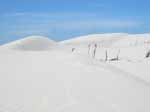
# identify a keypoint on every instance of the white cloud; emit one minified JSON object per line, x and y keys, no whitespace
{"x":89,"y":24}
{"x":30,"y":23}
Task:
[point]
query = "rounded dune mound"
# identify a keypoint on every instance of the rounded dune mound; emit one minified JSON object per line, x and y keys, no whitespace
{"x":104,"y":39}
{"x":32,"y":43}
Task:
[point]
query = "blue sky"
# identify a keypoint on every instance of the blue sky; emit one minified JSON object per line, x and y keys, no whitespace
{"x":64,"y":19}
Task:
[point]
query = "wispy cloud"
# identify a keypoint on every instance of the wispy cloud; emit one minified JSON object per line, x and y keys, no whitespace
{"x":61,"y":24}
{"x":73,"y":19}
{"x":88,"y":24}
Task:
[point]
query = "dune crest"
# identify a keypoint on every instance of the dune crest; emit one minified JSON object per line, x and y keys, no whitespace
{"x":31,"y":43}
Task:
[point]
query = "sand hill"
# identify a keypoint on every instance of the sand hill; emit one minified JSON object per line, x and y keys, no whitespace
{"x":31,"y":43}
{"x":62,"y":80}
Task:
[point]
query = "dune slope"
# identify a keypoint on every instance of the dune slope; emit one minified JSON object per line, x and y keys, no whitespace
{"x":62,"y":80}
{"x":31,"y":43}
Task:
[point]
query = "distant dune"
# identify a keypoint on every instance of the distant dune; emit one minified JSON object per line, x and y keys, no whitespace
{"x":110,"y":39}
{"x":36,"y":43}
{"x":105,"y":39}
{"x":31,"y":43}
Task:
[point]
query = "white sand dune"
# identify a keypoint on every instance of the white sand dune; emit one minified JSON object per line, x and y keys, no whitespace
{"x":111,"y":40}
{"x":60,"y":80}
{"x":31,"y":43}
{"x":105,"y":40}
{"x":133,"y":40}
{"x":63,"y":82}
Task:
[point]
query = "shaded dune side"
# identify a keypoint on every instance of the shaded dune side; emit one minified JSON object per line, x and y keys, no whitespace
{"x":31,"y":43}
